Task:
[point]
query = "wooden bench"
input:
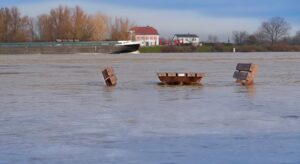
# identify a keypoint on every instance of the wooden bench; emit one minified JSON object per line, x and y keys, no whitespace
{"x":109,"y":76}
{"x":245,"y":73}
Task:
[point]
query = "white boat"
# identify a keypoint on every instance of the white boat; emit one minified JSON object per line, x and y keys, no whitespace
{"x":126,"y":46}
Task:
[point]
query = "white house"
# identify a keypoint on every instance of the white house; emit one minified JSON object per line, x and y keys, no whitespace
{"x":147,"y":36}
{"x":186,"y":39}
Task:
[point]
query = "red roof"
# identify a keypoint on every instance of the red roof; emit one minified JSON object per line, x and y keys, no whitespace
{"x":144,"y":30}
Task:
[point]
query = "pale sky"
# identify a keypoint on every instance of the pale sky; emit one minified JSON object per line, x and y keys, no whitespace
{"x":201,"y":17}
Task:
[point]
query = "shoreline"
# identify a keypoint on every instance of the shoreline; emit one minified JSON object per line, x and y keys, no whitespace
{"x":221,"y":47}
{"x":103,"y":49}
{"x":114,"y":59}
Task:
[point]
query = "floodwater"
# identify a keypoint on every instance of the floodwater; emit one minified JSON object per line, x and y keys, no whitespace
{"x":57,"y":109}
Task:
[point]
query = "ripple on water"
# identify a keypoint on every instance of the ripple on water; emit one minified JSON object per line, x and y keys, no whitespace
{"x":14,"y":73}
{"x":291,"y":117}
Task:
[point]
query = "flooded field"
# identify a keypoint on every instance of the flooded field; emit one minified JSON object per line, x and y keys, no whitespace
{"x":57,"y":109}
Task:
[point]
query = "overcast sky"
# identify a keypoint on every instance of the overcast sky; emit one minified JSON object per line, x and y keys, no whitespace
{"x":202,"y":17}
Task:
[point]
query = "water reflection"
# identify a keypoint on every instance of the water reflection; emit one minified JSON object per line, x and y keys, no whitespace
{"x":108,"y":93}
{"x":178,"y":92}
{"x":251,"y":90}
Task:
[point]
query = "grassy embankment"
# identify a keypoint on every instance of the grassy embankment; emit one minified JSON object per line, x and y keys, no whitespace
{"x":222,"y":48}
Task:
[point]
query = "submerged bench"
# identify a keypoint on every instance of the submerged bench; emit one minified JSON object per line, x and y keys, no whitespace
{"x":175,"y":78}
{"x":245,"y":73}
{"x":109,"y":76}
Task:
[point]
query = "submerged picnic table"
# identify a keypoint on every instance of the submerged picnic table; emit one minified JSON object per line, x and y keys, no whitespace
{"x":175,"y":78}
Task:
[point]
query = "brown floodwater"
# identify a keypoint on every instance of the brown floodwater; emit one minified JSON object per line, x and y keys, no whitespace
{"x":57,"y":109}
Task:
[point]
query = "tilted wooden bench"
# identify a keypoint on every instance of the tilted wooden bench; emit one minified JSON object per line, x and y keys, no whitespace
{"x":245,"y":73}
{"x":175,"y":78}
{"x":109,"y":76}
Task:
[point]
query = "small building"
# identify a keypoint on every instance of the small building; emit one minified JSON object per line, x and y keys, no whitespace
{"x":186,"y":39}
{"x":147,"y":36}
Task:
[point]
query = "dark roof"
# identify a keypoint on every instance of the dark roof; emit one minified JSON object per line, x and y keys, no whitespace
{"x":144,"y":30}
{"x":186,"y":35}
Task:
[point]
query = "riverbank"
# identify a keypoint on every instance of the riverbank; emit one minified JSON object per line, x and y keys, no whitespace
{"x":221,"y":48}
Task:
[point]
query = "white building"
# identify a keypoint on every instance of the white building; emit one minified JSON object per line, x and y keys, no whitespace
{"x":186,"y":39}
{"x":147,"y":36}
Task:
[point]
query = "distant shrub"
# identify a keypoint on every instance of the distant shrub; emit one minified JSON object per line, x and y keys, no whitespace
{"x":186,"y":48}
{"x":189,"y":48}
{"x":282,"y":47}
{"x":221,"y":48}
{"x":168,"y":49}
{"x":151,"y":49}
{"x":246,"y":48}
{"x":218,"y":47}
{"x":260,"y":48}
{"x":204,"y":48}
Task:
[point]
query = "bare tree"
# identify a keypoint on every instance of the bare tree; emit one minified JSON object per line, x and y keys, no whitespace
{"x":240,"y":37}
{"x":3,"y":26}
{"x":100,"y":25}
{"x":56,"y":25}
{"x":60,"y":19}
{"x":120,"y":29}
{"x":212,"y":39}
{"x":33,"y":29}
{"x":82,"y":25}
{"x":274,"y":29}
{"x":45,"y":28}
{"x":296,"y":39}
{"x":13,"y":26}
{"x":260,"y":37}
{"x":63,"y":23}
{"x":251,"y":40}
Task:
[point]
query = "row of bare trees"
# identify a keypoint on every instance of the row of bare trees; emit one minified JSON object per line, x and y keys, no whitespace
{"x":13,"y":26}
{"x":62,"y":22}
{"x":271,"y":32}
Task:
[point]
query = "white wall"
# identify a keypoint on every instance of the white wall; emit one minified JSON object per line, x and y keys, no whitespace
{"x":148,"y":40}
{"x":188,"y":40}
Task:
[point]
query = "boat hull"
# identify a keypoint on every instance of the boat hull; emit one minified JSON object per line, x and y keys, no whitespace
{"x":67,"y":47}
{"x":126,"y":48}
